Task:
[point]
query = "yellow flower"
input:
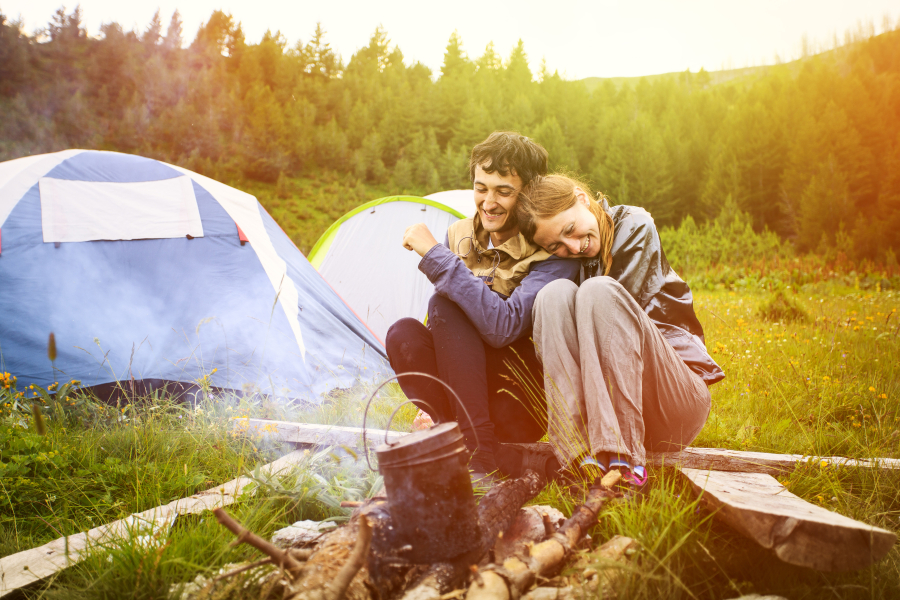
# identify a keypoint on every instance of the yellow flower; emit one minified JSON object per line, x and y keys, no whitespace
{"x":871,"y":389}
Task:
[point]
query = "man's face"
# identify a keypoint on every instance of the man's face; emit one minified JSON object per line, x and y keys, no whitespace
{"x":495,"y":201}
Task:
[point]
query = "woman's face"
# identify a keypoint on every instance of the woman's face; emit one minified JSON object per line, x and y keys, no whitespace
{"x":571,"y":233}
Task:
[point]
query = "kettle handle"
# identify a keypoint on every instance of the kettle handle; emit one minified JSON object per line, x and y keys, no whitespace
{"x":397,"y":377}
{"x":387,"y":428}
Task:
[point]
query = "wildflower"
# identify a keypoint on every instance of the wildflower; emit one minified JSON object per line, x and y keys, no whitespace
{"x":871,"y":389}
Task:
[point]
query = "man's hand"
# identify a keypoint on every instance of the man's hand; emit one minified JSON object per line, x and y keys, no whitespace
{"x":417,"y":237}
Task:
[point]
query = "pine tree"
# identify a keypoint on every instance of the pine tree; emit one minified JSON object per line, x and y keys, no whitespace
{"x":173,"y":38}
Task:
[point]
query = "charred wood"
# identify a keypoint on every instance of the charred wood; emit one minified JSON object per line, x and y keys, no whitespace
{"x":518,"y":574}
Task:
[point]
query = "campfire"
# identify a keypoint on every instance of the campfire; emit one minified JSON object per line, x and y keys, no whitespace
{"x":385,"y":552}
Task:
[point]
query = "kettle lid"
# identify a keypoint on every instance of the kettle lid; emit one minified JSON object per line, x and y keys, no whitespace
{"x":420,"y":443}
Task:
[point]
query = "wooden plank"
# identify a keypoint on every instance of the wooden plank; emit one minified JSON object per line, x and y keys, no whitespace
{"x":797,"y":532}
{"x":29,"y":566}
{"x":720,"y":459}
{"x":716,"y":459}
{"x":313,"y":433}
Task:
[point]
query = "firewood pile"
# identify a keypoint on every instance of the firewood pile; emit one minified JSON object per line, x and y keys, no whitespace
{"x":516,"y":553}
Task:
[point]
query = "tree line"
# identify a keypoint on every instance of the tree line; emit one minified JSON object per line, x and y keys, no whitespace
{"x":810,"y":149}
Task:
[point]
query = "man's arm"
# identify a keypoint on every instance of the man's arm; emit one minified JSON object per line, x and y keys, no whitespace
{"x":500,"y":322}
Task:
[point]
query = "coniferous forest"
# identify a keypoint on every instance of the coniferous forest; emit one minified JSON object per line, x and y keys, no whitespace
{"x":808,"y":150}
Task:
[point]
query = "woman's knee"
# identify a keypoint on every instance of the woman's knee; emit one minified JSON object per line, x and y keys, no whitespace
{"x":600,"y":290}
{"x":555,"y":298}
{"x":601,"y":286}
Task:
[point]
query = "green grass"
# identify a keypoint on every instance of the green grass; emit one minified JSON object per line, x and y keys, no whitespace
{"x":828,"y":385}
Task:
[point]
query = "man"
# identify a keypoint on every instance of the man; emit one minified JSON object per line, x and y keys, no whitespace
{"x":486,"y":277}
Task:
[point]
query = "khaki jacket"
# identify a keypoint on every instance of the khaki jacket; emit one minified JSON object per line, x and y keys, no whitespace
{"x":502,"y":268}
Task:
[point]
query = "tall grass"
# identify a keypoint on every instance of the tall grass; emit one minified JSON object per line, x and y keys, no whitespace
{"x":825,"y":385}
{"x":82,"y":474}
{"x":813,"y":370}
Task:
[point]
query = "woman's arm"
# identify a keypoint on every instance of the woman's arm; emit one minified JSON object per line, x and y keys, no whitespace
{"x":638,"y":262}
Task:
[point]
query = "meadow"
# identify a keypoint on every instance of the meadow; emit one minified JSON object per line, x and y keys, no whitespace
{"x":810,"y":369}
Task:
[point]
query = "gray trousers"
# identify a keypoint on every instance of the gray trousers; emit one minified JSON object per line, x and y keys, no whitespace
{"x":612,"y":382}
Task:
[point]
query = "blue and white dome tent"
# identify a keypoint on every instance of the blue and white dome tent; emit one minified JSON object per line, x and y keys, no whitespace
{"x":147,"y":271}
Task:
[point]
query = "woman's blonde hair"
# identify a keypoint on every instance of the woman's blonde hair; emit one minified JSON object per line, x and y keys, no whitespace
{"x":545,"y":197}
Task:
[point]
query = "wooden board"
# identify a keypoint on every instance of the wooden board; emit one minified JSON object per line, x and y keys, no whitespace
{"x":29,"y":566}
{"x":717,"y":459}
{"x":312,"y":433}
{"x":797,"y":532}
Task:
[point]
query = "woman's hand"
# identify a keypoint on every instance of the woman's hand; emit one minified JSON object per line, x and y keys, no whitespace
{"x":417,"y":237}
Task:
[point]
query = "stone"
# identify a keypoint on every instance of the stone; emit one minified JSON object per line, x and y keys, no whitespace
{"x":550,"y":593}
{"x":301,"y":533}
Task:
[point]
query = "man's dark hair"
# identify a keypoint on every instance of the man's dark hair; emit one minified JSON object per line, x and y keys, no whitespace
{"x":508,"y":152}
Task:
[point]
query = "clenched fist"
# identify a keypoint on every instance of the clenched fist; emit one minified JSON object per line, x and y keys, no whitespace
{"x":417,"y":237}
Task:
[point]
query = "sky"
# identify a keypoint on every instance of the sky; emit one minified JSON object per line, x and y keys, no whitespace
{"x":591,"y":38}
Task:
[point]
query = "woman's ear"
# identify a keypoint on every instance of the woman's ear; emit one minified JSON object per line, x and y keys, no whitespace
{"x":582,"y":196}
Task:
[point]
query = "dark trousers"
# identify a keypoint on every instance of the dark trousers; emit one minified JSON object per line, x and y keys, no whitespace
{"x":500,"y":388}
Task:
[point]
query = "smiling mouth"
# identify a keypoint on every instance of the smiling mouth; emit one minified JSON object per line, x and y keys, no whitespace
{"x":584,"y":246}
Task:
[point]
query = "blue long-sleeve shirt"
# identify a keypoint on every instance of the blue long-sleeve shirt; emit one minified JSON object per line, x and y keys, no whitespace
{"x":499,"y":319}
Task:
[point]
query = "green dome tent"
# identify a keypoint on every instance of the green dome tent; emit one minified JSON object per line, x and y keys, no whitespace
{"x":361,"y":255}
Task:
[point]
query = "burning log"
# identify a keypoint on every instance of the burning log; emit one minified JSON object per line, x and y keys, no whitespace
{"x":362,"y":557}
{"x":334,"y":570}
{"x":326,"y":574}
{"x":517,"y":575}
{"x":496,"y":512}
{"x":429,"y":538}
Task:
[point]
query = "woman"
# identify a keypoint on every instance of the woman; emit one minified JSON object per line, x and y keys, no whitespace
{"x":625,"y":365}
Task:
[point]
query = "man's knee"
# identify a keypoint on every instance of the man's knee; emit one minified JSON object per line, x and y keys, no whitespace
{"x":443,"y":311}
{"x":402,"y":341}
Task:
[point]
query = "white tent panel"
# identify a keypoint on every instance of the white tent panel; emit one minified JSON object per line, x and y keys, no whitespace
{"x":83,"y":211}
{"x":244,"y":209}
{"x":17,"y":176}
{"x":371,"y":270}
{"x":462,"y":201}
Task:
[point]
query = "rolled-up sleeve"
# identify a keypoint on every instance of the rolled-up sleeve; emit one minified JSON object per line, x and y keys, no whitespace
{"x":500,"y":321}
